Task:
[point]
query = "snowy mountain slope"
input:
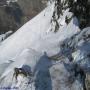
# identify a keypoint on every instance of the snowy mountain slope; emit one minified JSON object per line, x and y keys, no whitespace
{"x":31,"y":32}
{"x":24,"y":58}
{"x":32,"y":47}
{"x":34,"y":65}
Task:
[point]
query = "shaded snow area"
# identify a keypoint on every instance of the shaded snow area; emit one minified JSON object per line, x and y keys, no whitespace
{"x":37,"y":58}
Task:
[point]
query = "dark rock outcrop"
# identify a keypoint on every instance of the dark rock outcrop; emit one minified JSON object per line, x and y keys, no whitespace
{"x":14,"y":14}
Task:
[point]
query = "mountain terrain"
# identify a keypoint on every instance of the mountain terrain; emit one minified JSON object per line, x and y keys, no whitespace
{"x":49,"y":52}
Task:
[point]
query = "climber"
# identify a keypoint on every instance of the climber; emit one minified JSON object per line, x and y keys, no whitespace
{"x":20,"y":71}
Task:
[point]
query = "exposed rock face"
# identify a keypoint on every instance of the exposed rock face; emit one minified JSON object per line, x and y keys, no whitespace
{"x":14,"y":13}
{"x":81,"y":9}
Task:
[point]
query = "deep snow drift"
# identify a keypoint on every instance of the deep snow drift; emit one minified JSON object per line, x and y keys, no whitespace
{"x":45,"y":54}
